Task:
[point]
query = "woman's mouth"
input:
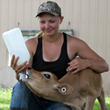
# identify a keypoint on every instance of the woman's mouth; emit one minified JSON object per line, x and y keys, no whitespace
{"x":48,"y":31}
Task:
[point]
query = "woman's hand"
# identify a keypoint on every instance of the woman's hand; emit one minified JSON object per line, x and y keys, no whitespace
{"x":17,"y":68}
{"x":77,"y":65}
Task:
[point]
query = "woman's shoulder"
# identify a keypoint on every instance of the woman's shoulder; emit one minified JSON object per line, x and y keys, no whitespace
{"x":33,"y":40}
{"x":75,"y":40}
{"x":76,"y":46}
{"x":32,"y":44}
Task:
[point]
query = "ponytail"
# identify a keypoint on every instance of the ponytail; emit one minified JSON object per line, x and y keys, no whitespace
{"x":40,"y":34}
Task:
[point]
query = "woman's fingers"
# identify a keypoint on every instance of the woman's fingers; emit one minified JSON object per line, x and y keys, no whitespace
{"x":12,"y":60}
{"x":75,"y":71}
{"x":17,"y":68}
{"x":72,"y":67}
{"x":76,"y":65}
{"x":21,"y":67}
{"x":15,"y":62}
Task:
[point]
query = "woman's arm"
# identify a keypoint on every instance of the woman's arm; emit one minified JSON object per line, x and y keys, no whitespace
{"x":88,"y":58}
{"x":78,"y":64}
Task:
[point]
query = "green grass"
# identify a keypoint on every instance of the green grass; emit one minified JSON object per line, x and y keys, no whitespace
{"x":5,"y":95}
{"x":97,"y":105}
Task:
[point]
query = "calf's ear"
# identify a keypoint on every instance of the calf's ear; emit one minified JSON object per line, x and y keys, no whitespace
{"x":65,"y":89}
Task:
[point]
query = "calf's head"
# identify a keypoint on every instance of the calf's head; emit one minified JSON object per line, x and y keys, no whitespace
{"x":46,"y":84}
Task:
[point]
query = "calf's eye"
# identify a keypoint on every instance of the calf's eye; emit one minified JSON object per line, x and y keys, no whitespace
{"x":63,"y":89}
{"x":47,"y":76}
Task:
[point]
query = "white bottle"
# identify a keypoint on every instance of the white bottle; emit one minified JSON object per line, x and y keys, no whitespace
{"x":15,"y":44}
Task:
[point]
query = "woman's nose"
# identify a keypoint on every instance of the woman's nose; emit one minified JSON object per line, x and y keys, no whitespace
{"x":47,"y":25}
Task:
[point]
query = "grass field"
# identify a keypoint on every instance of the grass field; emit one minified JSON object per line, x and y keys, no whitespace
{"x":5,"y":95}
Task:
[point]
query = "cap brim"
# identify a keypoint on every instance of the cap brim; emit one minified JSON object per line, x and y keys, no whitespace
{"x":46,"y":12}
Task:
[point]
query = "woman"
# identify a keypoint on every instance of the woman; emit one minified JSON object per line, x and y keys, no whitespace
{"x":55,"y":52}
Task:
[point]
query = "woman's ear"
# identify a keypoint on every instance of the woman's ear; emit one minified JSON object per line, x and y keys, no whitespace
{"x":64,"y":89}
{"x":61,"y":19}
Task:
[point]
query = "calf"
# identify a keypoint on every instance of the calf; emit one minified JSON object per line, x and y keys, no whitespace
{"x":78,"y":90}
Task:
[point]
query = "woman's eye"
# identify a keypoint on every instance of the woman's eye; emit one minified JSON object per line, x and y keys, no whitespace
{"x":42,"y":22}
{"x":52,"y":21}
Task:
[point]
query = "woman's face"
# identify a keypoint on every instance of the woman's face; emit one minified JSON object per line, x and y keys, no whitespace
{"x":49,"y":24}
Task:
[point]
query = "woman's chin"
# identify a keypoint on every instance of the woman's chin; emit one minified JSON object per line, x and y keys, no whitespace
{"x":49,"y":33}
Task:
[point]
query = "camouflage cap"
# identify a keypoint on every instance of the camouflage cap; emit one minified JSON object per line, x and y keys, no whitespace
{"x":49,"y":7}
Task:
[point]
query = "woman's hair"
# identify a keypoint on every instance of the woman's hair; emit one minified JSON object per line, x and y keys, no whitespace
{"x":40,"y":34}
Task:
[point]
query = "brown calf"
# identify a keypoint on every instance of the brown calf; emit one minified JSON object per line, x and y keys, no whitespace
{"x":78,"y":90}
